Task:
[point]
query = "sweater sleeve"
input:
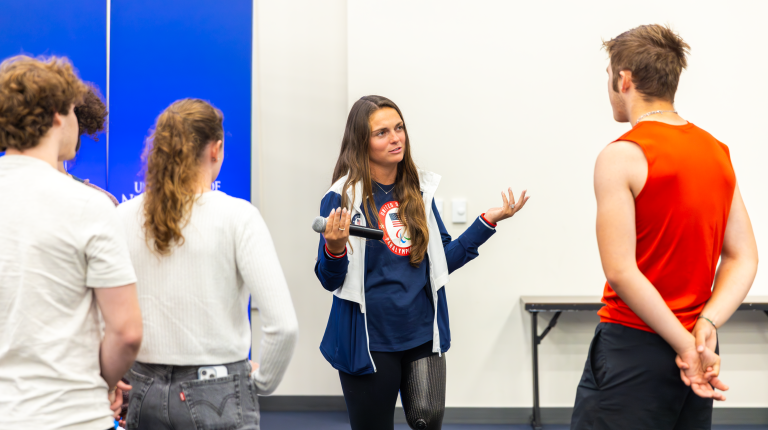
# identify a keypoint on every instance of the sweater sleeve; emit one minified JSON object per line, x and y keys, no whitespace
{"x":260,"y":269}
{"x":464,"y":249}
{"x":330,"y":270}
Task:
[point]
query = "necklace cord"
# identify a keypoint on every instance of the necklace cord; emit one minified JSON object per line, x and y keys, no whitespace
{"x":653,"y":113}
{"x":382,"y":189}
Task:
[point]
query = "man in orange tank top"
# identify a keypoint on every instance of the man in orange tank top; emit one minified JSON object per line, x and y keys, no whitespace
{"x":668,"y":208}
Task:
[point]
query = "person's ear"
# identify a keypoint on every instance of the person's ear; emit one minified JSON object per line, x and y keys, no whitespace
{"x":626,"y":81}
{"x":57,"y":120}
{"x":216,"y":150}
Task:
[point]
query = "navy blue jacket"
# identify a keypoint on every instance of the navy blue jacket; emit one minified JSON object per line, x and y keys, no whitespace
{"x":345,"y":342}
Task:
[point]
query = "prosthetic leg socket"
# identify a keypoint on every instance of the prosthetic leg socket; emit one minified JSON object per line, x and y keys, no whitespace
{"x":422,"y":390}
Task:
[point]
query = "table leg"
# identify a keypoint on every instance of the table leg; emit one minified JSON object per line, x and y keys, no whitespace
{"x":536,"y":419}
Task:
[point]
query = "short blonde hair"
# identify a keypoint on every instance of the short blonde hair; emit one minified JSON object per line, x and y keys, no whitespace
{"x":654,"y":54}
{"x":31,"y":92}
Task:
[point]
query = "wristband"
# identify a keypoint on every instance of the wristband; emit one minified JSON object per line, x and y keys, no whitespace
{"x":334,"y":256}
{"x":486,"y":220}
{"x":710,"y":321}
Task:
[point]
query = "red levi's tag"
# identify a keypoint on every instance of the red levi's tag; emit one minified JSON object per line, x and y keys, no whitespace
{"x":182,"y":397}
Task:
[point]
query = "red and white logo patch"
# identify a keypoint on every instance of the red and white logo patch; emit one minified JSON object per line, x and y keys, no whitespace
{"x":395,"y":236}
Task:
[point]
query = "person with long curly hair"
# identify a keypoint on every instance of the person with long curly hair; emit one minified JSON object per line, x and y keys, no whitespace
{"x":388,"y":329}
{"x":198,"y":255}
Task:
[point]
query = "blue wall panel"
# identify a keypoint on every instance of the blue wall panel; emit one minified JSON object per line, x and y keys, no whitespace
{"x":162,"y":51}
{"x":77,"y":31}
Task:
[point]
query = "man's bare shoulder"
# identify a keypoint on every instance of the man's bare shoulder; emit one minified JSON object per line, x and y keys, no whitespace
{"x":624,"y":163}
{"x":622,"y":151}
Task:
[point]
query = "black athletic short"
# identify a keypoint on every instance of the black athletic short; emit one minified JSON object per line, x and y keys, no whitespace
{"x":631,"y":381}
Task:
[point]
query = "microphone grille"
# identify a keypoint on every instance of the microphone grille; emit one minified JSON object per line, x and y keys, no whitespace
{"x":318,"y":224}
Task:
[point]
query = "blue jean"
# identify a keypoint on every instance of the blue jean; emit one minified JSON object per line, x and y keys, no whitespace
{"x":168,"y":397}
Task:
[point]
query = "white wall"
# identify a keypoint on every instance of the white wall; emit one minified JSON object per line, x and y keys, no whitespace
{"x":301,"y":96}
{"x":497,"y":94}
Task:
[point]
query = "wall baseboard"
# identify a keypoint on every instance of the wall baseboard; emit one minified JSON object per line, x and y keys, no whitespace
{"x":721,"y":416}
{"x":497,"y":415}
{"x":302,"y":403}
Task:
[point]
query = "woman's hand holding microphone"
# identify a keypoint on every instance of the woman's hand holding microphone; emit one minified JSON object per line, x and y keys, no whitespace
{"x":508,"y":208}
{"x":337,"y":230}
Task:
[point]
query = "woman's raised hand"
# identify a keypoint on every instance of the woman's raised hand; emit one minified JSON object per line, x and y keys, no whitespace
{"x":508,"y":208}
{"x":337,"y":230}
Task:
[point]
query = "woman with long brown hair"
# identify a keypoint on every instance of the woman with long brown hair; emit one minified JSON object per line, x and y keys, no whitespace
{"x":388,"y":327}
{"x":198,"y":254}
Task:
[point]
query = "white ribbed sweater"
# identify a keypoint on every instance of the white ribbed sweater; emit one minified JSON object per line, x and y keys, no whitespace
{"x":194,"y":301}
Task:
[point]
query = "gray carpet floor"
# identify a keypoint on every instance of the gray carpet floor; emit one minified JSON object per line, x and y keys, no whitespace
{"x":339,"y":421}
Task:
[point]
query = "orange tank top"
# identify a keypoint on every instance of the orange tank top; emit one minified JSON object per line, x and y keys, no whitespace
{"x":680,"y":217}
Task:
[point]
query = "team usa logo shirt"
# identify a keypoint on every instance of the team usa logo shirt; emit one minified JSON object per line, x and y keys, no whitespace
{"x":395,"y":236}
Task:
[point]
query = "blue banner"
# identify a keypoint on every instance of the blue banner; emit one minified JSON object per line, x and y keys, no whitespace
{"x":164,"y":51}
{"x":79,"y":32}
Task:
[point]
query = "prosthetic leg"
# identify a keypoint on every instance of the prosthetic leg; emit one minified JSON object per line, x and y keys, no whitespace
{"x":422,"y":390}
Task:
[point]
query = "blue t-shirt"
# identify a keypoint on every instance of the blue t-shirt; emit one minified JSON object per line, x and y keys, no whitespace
{"x":398,"y":296}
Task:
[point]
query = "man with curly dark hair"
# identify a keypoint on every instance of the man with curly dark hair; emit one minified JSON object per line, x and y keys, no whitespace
{"x":91,"y":117}
{"x":91,"y":114}
{"x":62,"y":255}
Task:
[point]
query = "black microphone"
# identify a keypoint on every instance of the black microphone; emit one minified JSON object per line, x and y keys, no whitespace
{"x":319,"y":223}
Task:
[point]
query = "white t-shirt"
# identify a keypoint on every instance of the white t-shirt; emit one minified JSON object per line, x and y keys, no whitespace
{"x":58,"y":240}
{"x":194,"y":301}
